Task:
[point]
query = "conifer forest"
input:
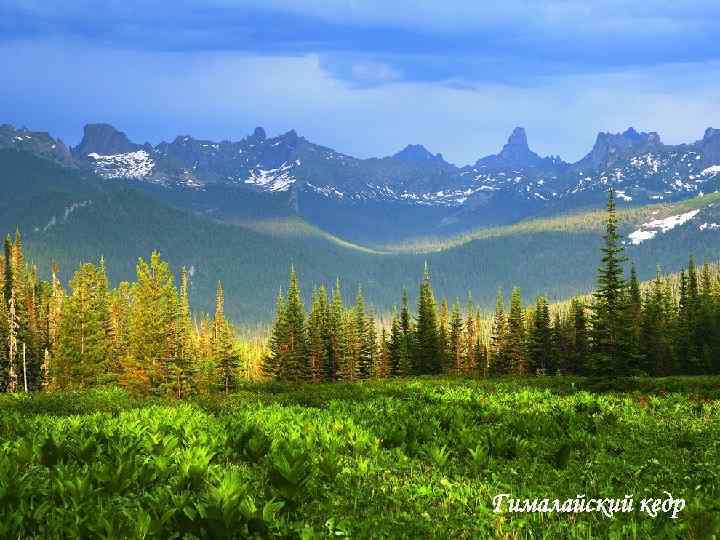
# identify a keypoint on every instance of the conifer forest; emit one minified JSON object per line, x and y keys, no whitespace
{"x":127,"y":414}
{"x":359,"y":269}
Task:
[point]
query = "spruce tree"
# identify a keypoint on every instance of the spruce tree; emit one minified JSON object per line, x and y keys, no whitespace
{"x":444,"y":335}
{"x":316,"y":331}
{"x":395,"y":347}
{"x":408,"y":336}
{"x":516,"y":335}
{"x":470,"y":339}
{"x":381,"y":369}
{"x":82,"y":355}
{"x":294,"y":366}
{"x":223,"y":345}
{"x":153,"y":324}
{"x":455,"y":342}
{"x":540,"y":342}
{"x":278,"y":340}
{"x":656,"y":331}
{"x":609,"y":297}
{"x":580,"y":338}
{"x":427,"y":343}
{"x":364,"y":333}
{"x":337,"y":347}
{"x":631,"y":321}
{"x":499,"y":357}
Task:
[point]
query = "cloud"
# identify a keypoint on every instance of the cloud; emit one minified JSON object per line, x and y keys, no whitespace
{"x":513,"y":42}
{"x":58,"y":85}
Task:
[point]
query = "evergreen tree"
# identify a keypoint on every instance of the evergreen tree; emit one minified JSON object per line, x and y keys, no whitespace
{"x":516,"y":335}
{"x":381,"y":369}
{"x":395,"y":347}
{"x":153,"y":326}
{"x":656,"y":331}
{"x":632,"y":323}
{"x":83,"y":346}
{"x":278,"y":339}
{"x":364,"y":332}
{"x":317,"y":331}
{"x":408,"y":333}
{"x":540,"y":343}
{"x":223,"y":344}
{"x":470,"y":340}
{"x":607,"y":320}
{"x":427,"y":343}
{"x":337,"y":348}
{"x":580,"y":338}
{"x":9,"y":278}
{"x":455,"y":342}
{"x":294,"y":364}
{"x":499,"y":357}
{"x":443,"y":318}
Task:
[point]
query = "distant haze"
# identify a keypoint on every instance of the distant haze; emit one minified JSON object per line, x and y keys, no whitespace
{"x":366,"y":78}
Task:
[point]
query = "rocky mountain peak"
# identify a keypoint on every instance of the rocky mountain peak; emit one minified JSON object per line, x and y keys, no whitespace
{"x":515,"y":153}
{"x":417,"y":153}
{"x":259,"y":134}
{"x":611,"y":147}
{"x":104,"y":139}
{"x":711,"y":133}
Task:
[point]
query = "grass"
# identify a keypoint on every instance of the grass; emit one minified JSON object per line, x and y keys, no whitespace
{"x":417,"y":458}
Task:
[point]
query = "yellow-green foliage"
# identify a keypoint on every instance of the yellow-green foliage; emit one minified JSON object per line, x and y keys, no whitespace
{"x":575,"y":222}
{"x":419,"y":458}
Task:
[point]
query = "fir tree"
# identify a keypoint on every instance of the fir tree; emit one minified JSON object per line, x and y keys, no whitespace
{"x":499,"y":358}
{"x":83,"y":346}
{"x":408,"y":334}
{"x":455,"y":342}
{"x":365,"y":347}
{"x":395,"y":347}
{"x":223,"y":344}
{"x":427,"y":344}
{"x":294,"y":364}
{"x":153,"y":324}
{"x":470,"y":339}
{"x":516,"y":335}
{"x":316,"y":331}
{"x":278,"y":339}
{"x":580,"y":337}
{"x":381,"y":369}
{"x":608,"y":305}
{"x":337,"y":348}
{"x":656,"y":345}
{"x":540,"y":345}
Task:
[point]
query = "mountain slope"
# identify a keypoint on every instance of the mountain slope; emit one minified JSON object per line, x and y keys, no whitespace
{"x":68,"y":217}
{"x":412,"y":193}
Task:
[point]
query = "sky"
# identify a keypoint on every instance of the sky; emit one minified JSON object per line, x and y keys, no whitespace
{"x":365,"y":77}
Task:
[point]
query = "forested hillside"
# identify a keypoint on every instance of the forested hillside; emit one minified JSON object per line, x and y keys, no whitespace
{"x":68,"y":218}
{"x":143,"y":335}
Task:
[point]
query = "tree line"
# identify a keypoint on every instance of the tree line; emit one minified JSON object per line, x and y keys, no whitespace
{"x":142,"y":335}
{"x":139,"y":335}
{"x":622,"y":329}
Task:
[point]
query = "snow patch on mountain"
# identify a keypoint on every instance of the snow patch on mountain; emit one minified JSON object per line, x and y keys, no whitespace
{"x":649,"y":230}
{"x":275,"y":180}
{"x":135,"y":165}
{"x":713,"y":169}
{"x":67,"y":212}
{"x":621,"y":195}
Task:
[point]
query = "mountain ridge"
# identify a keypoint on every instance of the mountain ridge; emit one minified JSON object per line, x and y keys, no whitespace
{"x":352,"y":197}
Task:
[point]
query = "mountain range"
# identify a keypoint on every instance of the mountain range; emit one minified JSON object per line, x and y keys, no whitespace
{"x":242,"y":212}
{"x":409,"y":194}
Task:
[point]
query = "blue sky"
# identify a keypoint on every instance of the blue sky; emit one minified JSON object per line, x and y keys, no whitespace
{"x":365,"y":77}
